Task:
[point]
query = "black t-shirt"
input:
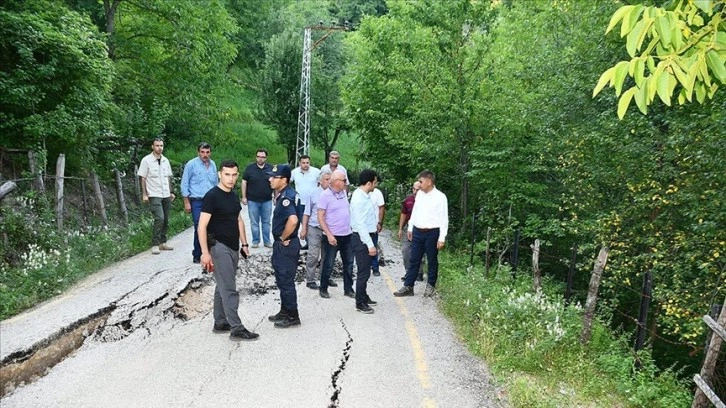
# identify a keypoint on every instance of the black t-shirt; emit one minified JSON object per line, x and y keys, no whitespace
{"x":225,"y":208}
{"x":258,"y":182}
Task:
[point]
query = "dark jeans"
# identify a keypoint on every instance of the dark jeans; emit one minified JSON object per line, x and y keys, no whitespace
{"x":423,"y":242}
{"x":196,"y":212}
{"x":160,"y":208}
{"x":284,"y":263}
{"x":374,"y":259}
{"x":363,"y":261}
{"x":346,"y":254}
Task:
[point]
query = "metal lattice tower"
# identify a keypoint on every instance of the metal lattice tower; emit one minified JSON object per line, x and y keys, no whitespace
{"x":303,"y":119}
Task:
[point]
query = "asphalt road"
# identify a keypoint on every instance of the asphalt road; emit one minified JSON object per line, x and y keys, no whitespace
{"x":155,"y":347}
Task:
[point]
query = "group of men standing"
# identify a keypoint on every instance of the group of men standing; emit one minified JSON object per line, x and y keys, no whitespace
{"x":317,"y":211}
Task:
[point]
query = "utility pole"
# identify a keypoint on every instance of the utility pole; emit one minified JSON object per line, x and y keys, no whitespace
{"x":303,"y":119}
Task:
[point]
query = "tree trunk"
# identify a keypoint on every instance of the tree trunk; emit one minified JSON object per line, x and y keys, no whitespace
{"x":110,"y":7}
{"x":602,"y":259}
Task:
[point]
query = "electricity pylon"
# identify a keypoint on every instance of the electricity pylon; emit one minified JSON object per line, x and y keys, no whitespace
{"x":303,"y":119}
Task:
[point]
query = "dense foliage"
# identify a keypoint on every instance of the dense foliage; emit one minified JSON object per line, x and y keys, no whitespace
{"x":497,"y":101}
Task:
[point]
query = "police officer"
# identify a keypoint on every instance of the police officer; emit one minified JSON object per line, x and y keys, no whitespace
{"x":286,"y":245}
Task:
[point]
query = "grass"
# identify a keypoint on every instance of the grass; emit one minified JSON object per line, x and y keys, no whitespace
{"x":531,"y":342}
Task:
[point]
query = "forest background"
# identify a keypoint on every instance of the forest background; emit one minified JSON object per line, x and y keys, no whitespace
{"x":495,"y":97}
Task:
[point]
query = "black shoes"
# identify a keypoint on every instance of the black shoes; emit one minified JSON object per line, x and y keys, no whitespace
{"x":376,"y":273}
{"x":221,"y":327}
{"x":419,"y":278}
{"x":324,"y":294}
{"x":332,"y":284}
{"x":370,"y":301}
{"x":363,"y":308}
{"x":196,"y":260}
{"x":292,"y":318}
{"x":350,"y":294}
{"x":404,"y":291}
{"x":279,"y":316}
{"x":243,"y":334}
{"x":313,"y":285}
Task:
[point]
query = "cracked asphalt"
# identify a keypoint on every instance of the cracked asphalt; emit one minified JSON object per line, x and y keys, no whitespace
{"x":156,"y":347}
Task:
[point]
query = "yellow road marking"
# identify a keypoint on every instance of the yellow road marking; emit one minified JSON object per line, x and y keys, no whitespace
{"x":418,"y":352}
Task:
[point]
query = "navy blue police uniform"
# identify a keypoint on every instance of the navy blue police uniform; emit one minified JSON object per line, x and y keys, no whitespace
{"x":285,"y":257}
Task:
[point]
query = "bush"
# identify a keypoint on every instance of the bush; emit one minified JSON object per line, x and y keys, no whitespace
{"x":531,"y":340}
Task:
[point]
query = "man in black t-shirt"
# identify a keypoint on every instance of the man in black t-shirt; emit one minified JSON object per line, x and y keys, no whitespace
{"x":220,"y":231}
{"x":257,"y":196}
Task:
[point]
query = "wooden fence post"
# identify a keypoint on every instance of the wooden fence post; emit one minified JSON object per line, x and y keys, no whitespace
{"x":120,"y":196}
{"x":488,"y":254}
{"x":535,"y":265}
{"x":515,"y":253}
{"x":60,"y":169}
{"x":704,"y":393}
{"x":602,"y":259}
{"x":99,"y":196}
{"x":473,"y":222}
{"x":37,"y":173}
{"x":643,"y":314}
{"x":571,"y":275}
{"x":137,"y":186}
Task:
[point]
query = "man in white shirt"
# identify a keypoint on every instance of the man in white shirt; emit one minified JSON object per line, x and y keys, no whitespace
{"x":380,"y":204}
{"x":334,"y":164}
{"x":364,"y":223}
{"x":427,"y":231}
{"x":305,"y":178}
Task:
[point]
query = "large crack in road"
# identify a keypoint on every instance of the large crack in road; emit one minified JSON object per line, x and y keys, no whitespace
{"x":118,"y":320}
{"x":337,"y":388}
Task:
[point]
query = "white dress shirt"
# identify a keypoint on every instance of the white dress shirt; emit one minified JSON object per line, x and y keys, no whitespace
{"x":363,"y":216}
{"x":431,"y":211}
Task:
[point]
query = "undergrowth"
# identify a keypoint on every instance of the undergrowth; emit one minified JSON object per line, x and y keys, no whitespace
{"x":531,"y":340}
{"x":39,"y":262}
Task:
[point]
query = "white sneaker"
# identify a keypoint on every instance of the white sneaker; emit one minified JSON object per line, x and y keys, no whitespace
{"x":166,"y":247}
{"x":155,"y":250}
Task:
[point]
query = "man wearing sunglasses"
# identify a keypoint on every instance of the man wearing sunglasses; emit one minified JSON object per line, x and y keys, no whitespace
{"x":257,"y":196}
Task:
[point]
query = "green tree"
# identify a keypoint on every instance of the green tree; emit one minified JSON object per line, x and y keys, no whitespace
{"x":414,"y":90}
{"x":55,"y":79}
{"x":677,"y":49}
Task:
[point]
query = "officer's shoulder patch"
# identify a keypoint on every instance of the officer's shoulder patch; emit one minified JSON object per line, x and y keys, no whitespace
{"x":285,"y":202}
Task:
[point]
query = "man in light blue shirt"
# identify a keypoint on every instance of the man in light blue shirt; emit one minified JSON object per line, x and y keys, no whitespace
{"x":311,"y":232}
{"x":364,"y":223}
{"x":200,"y":175}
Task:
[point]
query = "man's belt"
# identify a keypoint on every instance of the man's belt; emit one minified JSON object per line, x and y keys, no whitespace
{"x":424,"y":229}
{"x":279,"y":238}
{"x":196,"y":198}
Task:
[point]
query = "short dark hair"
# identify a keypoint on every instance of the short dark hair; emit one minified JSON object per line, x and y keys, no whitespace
{"x":304,"y":156}
{"x":204,"y":145}
{"x":157,"y":139}
{"x":428,"y":174}
{"x":367,"y":176}
{"x":262,"y":151}
{"x":228,"y":164}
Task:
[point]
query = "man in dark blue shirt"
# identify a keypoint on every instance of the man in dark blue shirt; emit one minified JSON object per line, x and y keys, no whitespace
{"x":286,"y":246}
{"x":220,"y":231}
